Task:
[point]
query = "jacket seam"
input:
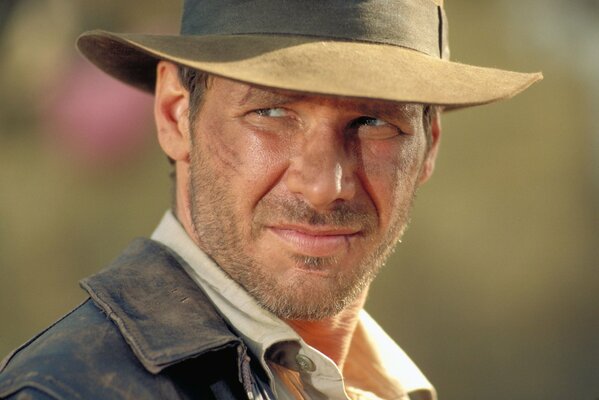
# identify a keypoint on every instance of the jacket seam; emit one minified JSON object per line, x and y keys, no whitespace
{"x":40,"y":382}
{"x":12,"y":354}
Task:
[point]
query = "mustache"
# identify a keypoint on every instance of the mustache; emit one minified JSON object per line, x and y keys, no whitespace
{"x":296,"y":211}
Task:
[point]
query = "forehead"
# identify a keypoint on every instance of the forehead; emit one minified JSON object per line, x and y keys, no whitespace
{"x":240,"y":94}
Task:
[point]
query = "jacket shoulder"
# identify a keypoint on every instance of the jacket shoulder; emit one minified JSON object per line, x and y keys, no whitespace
{"x":82,"y":356}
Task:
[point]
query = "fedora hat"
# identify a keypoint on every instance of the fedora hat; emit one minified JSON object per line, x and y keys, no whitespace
{"x":393,"y":50}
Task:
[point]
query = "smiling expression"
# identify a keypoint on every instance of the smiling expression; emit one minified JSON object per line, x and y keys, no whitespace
{"x":301,"y":198}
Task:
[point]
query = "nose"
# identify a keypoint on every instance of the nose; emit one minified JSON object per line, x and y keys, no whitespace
{"x":323,"y":170}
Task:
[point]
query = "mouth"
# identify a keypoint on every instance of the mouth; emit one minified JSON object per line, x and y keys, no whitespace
{"x":311,"y":241}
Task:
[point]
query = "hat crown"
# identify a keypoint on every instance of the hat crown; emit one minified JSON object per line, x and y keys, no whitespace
{"x":415,"y":24}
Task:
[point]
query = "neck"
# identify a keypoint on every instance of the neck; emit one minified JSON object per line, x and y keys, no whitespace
{"x":332,"y":336}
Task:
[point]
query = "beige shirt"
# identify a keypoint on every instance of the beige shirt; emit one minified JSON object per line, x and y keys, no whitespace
{"x":376,"y":368}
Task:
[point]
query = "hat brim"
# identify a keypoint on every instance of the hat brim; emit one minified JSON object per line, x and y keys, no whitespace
{"x":307,"y":64}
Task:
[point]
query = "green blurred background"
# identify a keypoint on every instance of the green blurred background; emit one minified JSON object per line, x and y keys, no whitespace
{"x":494,"y":289}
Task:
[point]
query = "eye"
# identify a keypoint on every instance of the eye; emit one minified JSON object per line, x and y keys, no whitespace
{"x":370,"y":121}
{"x":271,"y":112}
{"x":374,"y":128}
{"x":277,"y":120}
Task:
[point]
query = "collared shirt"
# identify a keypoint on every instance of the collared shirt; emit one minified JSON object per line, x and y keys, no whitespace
{"x":375,"y":367}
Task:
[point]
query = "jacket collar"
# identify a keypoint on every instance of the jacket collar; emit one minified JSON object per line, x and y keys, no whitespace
{"x":159,"y":310}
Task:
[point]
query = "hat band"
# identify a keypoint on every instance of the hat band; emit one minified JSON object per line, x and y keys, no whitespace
{"x":415,"y":24}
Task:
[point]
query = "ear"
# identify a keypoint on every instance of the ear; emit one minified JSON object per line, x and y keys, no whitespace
{"x":429,"y":159}
{"x":171,"y":112}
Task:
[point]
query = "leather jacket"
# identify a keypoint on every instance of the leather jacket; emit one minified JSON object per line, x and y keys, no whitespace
{"x":147,"y":331}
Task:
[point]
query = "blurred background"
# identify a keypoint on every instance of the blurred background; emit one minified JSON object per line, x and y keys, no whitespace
{"x":494,"y":290}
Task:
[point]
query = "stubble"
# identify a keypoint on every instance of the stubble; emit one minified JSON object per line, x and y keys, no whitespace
{"x":223,"y":238}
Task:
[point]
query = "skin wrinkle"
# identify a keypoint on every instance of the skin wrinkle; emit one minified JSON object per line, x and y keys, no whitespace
{"x":258,"y":95}
{"x":224,"y":151}
{"x":227,"y":157}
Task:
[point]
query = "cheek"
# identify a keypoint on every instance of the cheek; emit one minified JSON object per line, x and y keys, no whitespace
{"x":221,"y":148}
{"x":267,"y":158}
{"x":249,"y":163}
{"x":389,"y":173}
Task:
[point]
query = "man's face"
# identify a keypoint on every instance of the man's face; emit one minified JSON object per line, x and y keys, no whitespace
{"x":300,"y":198}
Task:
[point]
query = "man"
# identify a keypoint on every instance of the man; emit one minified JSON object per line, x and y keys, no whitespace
{"x":299,"y":132}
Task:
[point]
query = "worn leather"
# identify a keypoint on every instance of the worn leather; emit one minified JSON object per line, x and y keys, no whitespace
{"x":146,"y":332}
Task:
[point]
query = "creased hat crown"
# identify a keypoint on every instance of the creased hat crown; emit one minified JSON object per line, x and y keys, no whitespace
{"x":419,"y":25}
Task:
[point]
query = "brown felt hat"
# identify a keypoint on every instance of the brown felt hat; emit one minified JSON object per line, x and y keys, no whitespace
{"x":382,"y":49}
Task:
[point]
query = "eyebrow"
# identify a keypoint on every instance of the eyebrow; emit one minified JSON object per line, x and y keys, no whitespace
{"x":385,"y":109}
{"x":392,"y":110}
{"x":264,"y":96}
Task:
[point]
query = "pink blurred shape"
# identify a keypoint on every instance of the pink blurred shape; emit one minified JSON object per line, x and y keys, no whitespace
{"x":96,"y":119}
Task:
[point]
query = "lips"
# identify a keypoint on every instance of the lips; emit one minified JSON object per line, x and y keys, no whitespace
{"x":315,"y":242}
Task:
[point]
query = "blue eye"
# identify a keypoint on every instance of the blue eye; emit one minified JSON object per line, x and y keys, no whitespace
{"x":370,"y":121}
{"x":271,"y":112}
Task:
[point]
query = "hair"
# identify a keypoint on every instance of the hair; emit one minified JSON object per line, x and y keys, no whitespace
{"x":196,"y":83}
{"x":428,"y":114}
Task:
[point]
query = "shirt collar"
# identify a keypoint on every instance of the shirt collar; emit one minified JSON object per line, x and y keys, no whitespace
{"x":375,"y":362}
{"x":387,"y":363}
